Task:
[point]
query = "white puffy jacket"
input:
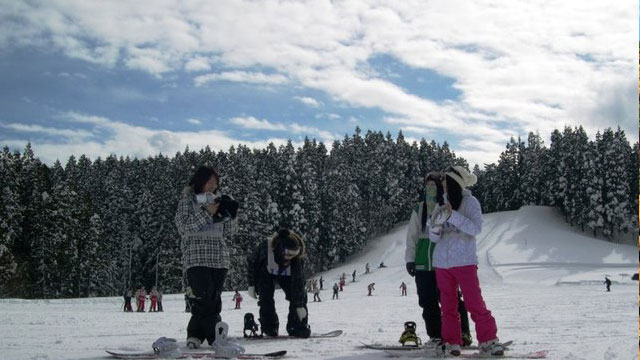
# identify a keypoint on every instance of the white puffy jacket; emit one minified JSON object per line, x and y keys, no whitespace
{"x":457,"y":239}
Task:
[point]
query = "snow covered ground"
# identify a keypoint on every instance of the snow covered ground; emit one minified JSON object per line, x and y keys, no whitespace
{"x":541,"y":279}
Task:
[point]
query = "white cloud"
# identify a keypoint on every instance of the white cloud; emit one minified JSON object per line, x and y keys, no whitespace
{"x":308,"y":101}
{"x":198,"y":63}
{"x":252,"y":123}
{"x":194,"y":121}
{"x":242,"y":76}
{"x":520,"y":66}
{"x":45,"y":130}
{"x":325,"y":136}
{"x":121,"y":139}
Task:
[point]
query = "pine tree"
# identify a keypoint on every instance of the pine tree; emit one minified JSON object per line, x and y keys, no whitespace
{"x":8,"y":268}
{"x":11,"y":211}
{"x":310,"y":164}
{"x":633,"y":173}
{"x":582,"y":179}
{"x":509,"y":179}
{"x":595,"y":208}
{"x":615,"y":150}
{"x":533,"y":177}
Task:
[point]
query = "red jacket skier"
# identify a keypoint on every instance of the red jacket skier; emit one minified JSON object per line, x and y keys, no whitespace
{"x":403,"y":287}
{"x":153,"y":295}
{"x":141,"y":296}
{"x":237,"y":298}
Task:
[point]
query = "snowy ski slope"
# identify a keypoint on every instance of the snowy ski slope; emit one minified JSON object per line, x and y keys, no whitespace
{"x":541,"y":279}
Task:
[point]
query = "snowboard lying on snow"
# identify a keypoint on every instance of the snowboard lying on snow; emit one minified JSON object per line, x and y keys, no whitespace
{"x":330,"y":334}
{"x":192,"y":354}
{"x":210,"y":354}
{"x":414,"y":348}
{"x":432,"y":354}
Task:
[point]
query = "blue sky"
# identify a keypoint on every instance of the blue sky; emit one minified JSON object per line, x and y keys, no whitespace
{"x":139,"y":78}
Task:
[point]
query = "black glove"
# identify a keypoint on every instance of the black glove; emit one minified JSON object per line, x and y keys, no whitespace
{"x":411,"y":268}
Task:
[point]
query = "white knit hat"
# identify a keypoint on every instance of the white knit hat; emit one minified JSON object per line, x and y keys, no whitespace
{"x":461,"y":176}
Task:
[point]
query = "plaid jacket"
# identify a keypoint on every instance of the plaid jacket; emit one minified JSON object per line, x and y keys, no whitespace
{"x":203,"y":243}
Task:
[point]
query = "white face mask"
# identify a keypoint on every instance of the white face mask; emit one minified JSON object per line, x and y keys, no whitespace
{"x":290,"y":254}
{"x":207,"y":198}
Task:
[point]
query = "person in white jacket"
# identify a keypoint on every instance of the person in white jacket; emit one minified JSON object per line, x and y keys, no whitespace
{"x":419,"y":262}
{"x":454,"y":227}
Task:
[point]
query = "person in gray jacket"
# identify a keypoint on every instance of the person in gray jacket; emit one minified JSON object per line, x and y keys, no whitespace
{"x":205,"y":254}
{"x":454,"y":228}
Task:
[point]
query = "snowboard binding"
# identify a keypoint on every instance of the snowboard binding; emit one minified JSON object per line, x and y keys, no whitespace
{"x":166,"y":347}
{"x":224,"y":347}
{"x":250,"y":326}
{"x":409,"y":337}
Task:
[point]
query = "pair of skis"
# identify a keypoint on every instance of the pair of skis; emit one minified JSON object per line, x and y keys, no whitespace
{"x":210,"y":354}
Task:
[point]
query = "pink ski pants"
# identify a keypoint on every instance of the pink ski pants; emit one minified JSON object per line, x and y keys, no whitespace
{"x":467,"y":278}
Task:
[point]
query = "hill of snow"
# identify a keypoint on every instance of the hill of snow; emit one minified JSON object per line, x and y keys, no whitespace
{"x":541,"y":279}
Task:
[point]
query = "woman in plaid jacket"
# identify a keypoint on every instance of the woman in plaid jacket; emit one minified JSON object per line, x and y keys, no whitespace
{"x":205,"y":254}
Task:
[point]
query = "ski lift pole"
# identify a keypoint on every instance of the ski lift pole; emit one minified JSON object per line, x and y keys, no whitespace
{"x":157,"y":263}
{"x":129,"y":277}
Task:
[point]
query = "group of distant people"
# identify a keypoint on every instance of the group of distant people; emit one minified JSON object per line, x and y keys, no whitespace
{"x":140,"y":296}
{"x":440,"y":254}
{"x":312,"y":285}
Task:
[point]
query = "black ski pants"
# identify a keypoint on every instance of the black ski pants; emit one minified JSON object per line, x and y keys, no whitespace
{"x":428,"y":299}
{"x":206,"y":284}
{"x":268,"y":317}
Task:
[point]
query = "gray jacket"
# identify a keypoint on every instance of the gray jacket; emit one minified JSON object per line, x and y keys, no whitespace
{"x":457,"y":240}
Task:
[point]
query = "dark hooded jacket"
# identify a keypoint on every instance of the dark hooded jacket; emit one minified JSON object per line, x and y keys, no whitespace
{"x":258,"y":262}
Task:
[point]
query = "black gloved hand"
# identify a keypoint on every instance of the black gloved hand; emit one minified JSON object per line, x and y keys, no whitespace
{"x":411,"y":268}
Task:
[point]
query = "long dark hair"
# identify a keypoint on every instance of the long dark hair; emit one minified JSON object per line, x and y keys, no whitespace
{"x":201,"y":176}
{"x":454,"y":193}
{"x":437,"y":178}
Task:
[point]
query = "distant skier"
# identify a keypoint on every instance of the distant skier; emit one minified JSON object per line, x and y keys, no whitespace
{"x":335,"y":291}
{"x":370,"y":288}
{"x":127,"y":301}
{"x":342,"y":283}
{"x":366,"y":268}
{"x":353,"y":275}
{"x":607,"y":282}
{"x":153,"y":296}
{"x":382,"y":265}
{"x":321,"y":282}
{"x":160,"y":301}
{"x":454,"y":228}
{"x":403,"y":288}
{"x":419,"y":262}
{"x":141,"y":296}
{"x":280,"y":259}
{"x":316,"y":294}
{"x":237,"y":298}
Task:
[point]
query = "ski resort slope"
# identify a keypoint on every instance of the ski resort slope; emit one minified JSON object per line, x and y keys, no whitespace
{"x":542,"y":280}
